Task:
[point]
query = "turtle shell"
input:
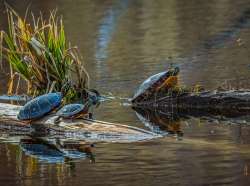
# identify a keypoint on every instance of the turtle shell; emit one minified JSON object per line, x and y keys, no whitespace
{"x":71,"y":110}
{"x":148,"y":87}
{"x":40,"y":106}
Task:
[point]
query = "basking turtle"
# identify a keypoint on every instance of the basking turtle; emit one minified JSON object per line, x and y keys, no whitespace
{"x":72,"y":111}
{"x":76,"y":110}
{"x":154,"y":83}
{"x":40,"y":106}
{"x":44,"y":104}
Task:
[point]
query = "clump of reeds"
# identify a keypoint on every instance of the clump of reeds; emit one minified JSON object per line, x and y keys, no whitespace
{"x":39,"y":54}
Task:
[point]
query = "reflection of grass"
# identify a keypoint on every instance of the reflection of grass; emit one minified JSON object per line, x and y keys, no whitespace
{"x":39,"y":54}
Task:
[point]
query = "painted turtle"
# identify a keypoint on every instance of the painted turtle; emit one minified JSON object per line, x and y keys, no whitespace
{"x":40,"y":106}
{"x":71,"y":111}
{"x":77,"y":110}
{"x":44,"y":104}
{"x":154,"y":83}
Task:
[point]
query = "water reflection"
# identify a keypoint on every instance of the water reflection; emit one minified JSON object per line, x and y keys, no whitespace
{"x":51,"y":150}
{"x":230,"y":34}
{"x":107,"y":28}
{"x":30,"y":158}
{"x":56,"y":150}
{"x":168,"y":121}
{"x":160,"y":122}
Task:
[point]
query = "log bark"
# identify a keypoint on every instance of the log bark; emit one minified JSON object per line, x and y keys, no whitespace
{"x":84,"y":129}
{"x":233,"y":102}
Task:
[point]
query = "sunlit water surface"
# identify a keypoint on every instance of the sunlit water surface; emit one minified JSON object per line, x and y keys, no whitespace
{"x":123,"y":42}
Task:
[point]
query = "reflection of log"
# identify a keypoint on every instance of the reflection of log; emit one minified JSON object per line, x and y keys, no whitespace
{"x":234,"y":102}
{"x":168,"y":120}
{"x":91,"y":130}
{"x":159,"y":121}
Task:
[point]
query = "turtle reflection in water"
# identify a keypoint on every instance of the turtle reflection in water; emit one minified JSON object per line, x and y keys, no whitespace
{"x":56,"y":151}
{"x":160,"y":122}
{"x":161,"y":82}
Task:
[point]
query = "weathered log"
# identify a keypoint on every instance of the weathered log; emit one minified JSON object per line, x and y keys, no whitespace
{"x":85,"y":129}
{"x":233,"y":102}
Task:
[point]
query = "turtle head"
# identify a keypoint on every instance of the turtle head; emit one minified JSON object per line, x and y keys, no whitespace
{"x":93,"y":96}
{"x":174,"y":71}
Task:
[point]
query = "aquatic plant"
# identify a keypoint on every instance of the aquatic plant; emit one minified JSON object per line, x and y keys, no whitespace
{"x":39,"y":54}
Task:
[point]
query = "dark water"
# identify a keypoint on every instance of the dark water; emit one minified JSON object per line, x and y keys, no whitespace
{"x":123,"y":42}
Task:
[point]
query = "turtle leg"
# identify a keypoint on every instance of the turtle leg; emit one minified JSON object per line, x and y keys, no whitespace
{"x":27,"y":122}
{"x":168,"y":83}
{"x":90,"y":115}
{"x":86,"y":116}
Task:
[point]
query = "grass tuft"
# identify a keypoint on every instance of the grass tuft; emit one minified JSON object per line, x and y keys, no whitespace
{"x":39,"y":54}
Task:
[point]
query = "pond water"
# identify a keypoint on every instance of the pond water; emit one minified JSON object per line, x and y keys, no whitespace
{"x":124,"y":42}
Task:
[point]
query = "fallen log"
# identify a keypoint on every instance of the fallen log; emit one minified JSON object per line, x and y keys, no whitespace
{"x":233,"y":102}
{"x":79,"y":129}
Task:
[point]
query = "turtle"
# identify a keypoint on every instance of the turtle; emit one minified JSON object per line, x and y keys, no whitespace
{"x":40,"y":106}
{"x":44,"y":104}
{"x":72,"y":111}
{"x":153,"y":84}
{"x":77,"y":110}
